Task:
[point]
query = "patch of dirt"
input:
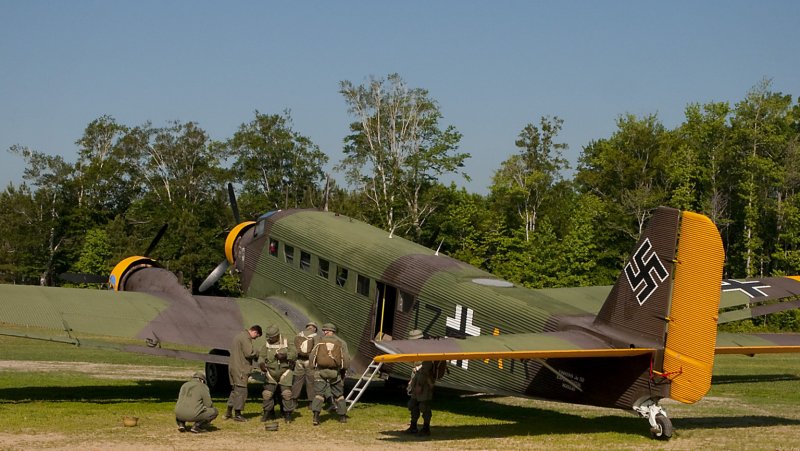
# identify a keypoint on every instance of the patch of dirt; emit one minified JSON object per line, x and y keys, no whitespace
{"x":99,"y":370}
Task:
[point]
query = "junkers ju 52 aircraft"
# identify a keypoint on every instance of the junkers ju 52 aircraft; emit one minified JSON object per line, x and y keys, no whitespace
{"x":653,"y":335}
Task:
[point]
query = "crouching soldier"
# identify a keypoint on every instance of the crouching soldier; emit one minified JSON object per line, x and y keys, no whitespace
{"x":276,"y":360}
{"x":330,"y":360}
{"x":194,"y":404}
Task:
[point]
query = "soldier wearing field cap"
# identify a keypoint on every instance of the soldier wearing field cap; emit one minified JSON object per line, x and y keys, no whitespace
{"x":195,"y":405}
{"x":330,"y":359}
{"x":276,"y":360}
{"x":420,"y":389}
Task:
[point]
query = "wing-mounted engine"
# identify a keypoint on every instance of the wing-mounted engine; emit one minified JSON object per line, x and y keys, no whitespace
{"x":125,"y":268}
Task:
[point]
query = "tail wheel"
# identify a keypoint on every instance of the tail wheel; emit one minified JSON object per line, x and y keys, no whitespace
{"x":664,"y":425}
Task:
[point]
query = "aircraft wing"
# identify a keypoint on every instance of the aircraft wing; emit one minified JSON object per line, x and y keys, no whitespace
{"x":735,"y":343}
{"x":170,"y":323}
{"x":740,"y":299}
{"x":511,"y":346}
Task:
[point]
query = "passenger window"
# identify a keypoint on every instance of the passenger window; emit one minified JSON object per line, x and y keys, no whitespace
{"x":273,"y":247}
{"x":362,"y":287}
{"x":305,"y":261}
{"x":341,"y":276}
{"x":406,"y":302}
{"x":324,"y":267}
{"x":288,"y":252}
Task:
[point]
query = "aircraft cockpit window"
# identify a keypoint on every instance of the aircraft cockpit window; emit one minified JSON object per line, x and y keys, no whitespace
{"x":341,"y":276}
{"x":273,"y":247}
{"x":324,"y":268}
{"x":288,"y":252}
{"x":362,"y":287}
{"x":305,"y":261}
{"x":260,"y":228}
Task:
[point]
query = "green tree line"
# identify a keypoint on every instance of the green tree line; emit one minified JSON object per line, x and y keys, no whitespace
{"x":735,"y":162}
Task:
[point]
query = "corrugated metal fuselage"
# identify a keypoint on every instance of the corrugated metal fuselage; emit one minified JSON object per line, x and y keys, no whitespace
{"x":393,"y":285}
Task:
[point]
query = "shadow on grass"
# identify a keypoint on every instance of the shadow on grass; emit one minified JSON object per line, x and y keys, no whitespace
{"x":752,"y":378}
{"x":532,"y":421}
{"x":143,"y":391}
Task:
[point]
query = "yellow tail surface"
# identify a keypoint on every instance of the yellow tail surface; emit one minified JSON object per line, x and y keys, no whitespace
{"x":692,"y":326}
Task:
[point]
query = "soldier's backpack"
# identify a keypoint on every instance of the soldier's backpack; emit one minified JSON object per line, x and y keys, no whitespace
{"x":328,"y":354}
{"x":440,"y":369}
{"x":304,"y":344}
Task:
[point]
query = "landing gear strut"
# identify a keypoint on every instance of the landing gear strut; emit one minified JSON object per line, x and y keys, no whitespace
{"x":660,"y":424}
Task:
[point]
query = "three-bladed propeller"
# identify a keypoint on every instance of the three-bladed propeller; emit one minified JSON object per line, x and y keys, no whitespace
{"x":223,"y":266}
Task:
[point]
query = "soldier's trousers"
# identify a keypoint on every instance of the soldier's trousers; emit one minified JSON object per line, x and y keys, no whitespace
{"x":238,"y":397}
{"x":288,"y":403}
{"x":328,"y":386}
{"x":418,"y":408}
{"x":303,"y":374}
{"x":207,"y":415}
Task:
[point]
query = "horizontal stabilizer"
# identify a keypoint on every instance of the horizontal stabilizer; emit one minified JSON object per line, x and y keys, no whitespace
{"x":749,"y":344}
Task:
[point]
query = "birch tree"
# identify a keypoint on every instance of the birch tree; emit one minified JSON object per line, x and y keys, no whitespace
{"x":397,"y":149}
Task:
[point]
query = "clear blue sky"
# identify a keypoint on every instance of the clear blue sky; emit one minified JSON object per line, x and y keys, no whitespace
{"x":492,"y":66}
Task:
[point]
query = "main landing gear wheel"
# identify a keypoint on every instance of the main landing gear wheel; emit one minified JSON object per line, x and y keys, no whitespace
{"x":663,"y":429}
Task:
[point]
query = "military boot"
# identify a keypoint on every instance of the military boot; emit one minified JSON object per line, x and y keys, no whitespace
{"x":181,"y":425}
{"x":287,"y":417}
{"x":315,"y":421}
{"x":412,"y":428}
{"x":426,"y":429}
{"x":228,"y":413}
{"x":238,"y":417}
{"x":342,"y":418}
{"x":199,"y":427}
{"x":266,"y":416}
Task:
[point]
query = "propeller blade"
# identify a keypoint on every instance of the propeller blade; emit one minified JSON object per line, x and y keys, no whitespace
{"x":214,"y":276}
{"x":234,"y":205}
{"x":155,"y":240}
{"x":82,"y":278}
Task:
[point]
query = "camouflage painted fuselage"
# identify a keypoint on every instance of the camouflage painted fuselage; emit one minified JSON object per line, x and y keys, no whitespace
{"x":411,"y":287}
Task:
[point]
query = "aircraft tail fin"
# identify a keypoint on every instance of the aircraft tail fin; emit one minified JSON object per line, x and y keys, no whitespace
{"x":667,"y":297}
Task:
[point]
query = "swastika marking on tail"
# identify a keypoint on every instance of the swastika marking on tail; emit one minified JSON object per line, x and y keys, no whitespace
{"x":645,"y":272}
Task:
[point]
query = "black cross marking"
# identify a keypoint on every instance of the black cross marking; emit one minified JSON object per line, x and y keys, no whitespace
{"x":460,"y":327}
{"x":645,"y":271}
{"x":751,"y":287}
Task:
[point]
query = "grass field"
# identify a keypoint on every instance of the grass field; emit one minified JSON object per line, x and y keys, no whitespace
{"x":753,"y":404}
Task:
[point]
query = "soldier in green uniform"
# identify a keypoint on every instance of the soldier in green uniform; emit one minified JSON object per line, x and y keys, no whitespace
{"x":304,"y":343}
{"x":276,"y":360}
{"x":240,"y":366}
{"x":194,"y":404}
{"x":330,"y":360}
{"x":420,"y":388}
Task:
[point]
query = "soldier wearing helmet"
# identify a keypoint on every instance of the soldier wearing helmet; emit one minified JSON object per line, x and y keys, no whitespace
{"x":330,"y":359}
{"x":276,"y":360}
{"x":304,"y":343}
{"x":420,"y":389}
{"x":194,"y":404}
